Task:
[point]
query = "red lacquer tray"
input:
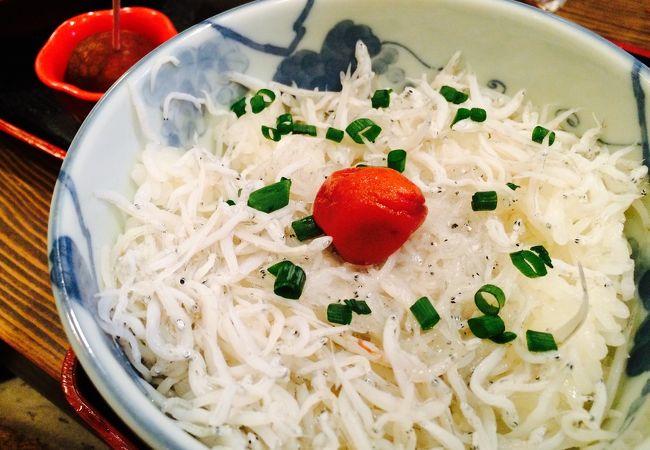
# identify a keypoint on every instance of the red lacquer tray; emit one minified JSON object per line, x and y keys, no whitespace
{"x":93,"y":410}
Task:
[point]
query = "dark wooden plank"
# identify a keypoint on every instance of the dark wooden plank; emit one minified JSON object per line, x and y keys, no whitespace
{"x":29,"y":322}
{"x":625,"y":21}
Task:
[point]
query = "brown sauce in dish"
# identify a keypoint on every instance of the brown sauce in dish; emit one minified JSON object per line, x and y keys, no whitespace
{"x":94,"y":65}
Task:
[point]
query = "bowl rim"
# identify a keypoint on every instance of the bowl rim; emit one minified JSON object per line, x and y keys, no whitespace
{"x":76,"y":333}
{"x":48,"y":50}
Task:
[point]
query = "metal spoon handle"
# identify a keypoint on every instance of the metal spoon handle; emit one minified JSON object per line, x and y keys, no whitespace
{"x":117,"y":44}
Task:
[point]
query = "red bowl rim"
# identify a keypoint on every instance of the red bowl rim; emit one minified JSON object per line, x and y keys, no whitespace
{"x":41,"y":62}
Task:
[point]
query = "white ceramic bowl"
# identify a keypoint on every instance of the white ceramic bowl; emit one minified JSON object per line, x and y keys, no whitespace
{"x":509,"y":45}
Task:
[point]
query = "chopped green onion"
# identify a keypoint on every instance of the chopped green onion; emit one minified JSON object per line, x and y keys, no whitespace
{"x":303,"y":128}
{"x":289,"y":280}
{"x":334,"y":134}
{"x":271,"y":133}
{"x":513,"y":186}
{"x":461,"y":114}
{"x":306,"y":228}
{"x":477,"y":114}
{"x":339,"y":313}
{"x":539,"y":133}
{"x":484,"y":201}
{"x":257,"y":103}
{"x":397,"y":160}
{"x":425,"y":313}
{"x":275,"y":268}
{"x":358,"y":306}
{"x":230,"y":202}
{"x":267,"y":93}
{"x":239,"y":107}
{"x":284,"y":123}
{"x":452,"y":95}
{"x":539,"y":341}
{"x":486,"y":307}
{"x":261,"y":100}
{"x":272,"y":197}
{"x":543,"y":254}
{"x":528,"y":263}
{"x":381,"y":98}
{"x":504,"y":337}
{"x":474,"y":114}
{"x":485,"y":327}
{"x":363,"y":128}
{"x":551,"y":138}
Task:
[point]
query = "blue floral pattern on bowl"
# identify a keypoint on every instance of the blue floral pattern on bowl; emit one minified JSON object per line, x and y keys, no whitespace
{"x":198,"y":72}
{"x":639,"y":362}
{"x":202,"y":72}
{"x":196,"y":64}
{"x":309,"y":69}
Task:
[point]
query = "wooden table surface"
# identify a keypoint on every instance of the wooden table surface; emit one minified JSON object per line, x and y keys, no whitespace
{"x":32,"y":341}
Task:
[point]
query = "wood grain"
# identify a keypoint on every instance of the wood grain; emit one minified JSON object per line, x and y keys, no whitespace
{"x":28,"y":318}
{"x":625,"y":21}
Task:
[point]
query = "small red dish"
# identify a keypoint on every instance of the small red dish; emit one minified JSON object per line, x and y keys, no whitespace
{"x":52,"y":60}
